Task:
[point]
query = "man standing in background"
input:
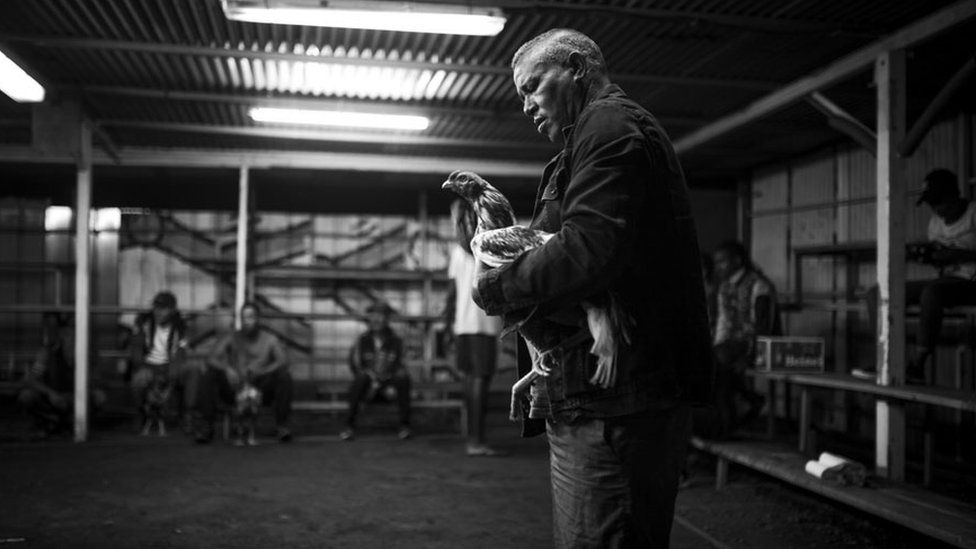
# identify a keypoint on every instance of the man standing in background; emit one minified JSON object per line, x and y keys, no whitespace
{"x":475,"y":333}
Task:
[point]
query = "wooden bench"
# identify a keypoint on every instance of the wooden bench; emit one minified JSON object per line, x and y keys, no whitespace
{"x":943,"y":518}
{"x":955,"y":399}
{"x":433,"y":396}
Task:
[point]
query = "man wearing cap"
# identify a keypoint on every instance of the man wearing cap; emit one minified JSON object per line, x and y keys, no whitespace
{"x":376,"y":361}
{"x":158,"y":348}
{"x":952,"y":248}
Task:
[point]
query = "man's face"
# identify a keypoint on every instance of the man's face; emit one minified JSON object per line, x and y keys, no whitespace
{"x":949,"y":209}
{"x":377,"y":321}
{"x":549,"y":93}
{"x":726,"y":264}
{"x":249,"y":319}
{"x":162,"y":315}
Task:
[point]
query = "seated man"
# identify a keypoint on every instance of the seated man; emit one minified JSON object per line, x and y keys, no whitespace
{"x":746,"y":308}
{"x":952,"y":238}
{"x":249,"y":355}
{"x":158,"y":349}
{"x":48,"y":386}
{"x":376,"y":363}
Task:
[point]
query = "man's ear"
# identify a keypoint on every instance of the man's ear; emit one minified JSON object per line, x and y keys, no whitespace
{"x":577,"y":64}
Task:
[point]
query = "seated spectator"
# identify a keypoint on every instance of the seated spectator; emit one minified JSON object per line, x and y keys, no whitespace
{"x":952,"y":249}
{"x":376,"y":361}
{"x":47,"y":391}
{"x":253,"y":355}
{"x":746,"y":308}
{"x":157,"y":349}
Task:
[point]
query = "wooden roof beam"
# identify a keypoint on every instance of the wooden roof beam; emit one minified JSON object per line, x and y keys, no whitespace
{"x":313,"y":160}
{"x":837,"y":71}
{"x":325,"y":135}
{"x":326,"y":103}
{"x":745,"y":22}
{"x":844,"y":122}
{"x":497,"y":70}
{"x":935,"y":107}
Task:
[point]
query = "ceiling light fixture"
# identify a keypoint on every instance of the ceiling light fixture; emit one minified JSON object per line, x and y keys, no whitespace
{"x":16,"y":83}
{"x":339,"y":118}
{"x":378,"y":15}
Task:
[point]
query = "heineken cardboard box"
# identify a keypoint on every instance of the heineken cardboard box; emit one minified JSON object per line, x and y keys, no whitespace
{"x":790,"y":354}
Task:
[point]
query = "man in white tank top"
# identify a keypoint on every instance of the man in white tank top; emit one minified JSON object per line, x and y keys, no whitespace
{"x":952,"y":249}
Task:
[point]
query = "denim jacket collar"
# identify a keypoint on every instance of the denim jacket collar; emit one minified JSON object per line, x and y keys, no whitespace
{"x":610,"y":90}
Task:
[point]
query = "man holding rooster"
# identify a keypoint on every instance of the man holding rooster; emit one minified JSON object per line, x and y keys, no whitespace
{"x":616,"y":203}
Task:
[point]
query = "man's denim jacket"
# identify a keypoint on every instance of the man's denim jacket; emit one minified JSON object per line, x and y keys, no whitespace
{"x":616,"y":199}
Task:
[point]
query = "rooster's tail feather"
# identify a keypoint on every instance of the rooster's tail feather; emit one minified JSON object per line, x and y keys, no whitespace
{"x":604,"y":346}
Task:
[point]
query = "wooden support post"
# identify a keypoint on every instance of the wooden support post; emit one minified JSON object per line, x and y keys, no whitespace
{"x":240,"y":286}
{"x":957,"y":384}
{"x":743,"y":210}
{"x":252,"y":223}
{"x":721,"y":472}
{"x":843,"y":121}
{"x":82,"y":281}
{"x":771,"y":408}
{"x":787,"y":402}
{"x":423,"y":216}
{"x":890,"y":426}
{"x":804,"y":419}
{"x":929,"y":447}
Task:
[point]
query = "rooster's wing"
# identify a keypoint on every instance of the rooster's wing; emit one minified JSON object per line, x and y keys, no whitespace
{"x":501,"y":246}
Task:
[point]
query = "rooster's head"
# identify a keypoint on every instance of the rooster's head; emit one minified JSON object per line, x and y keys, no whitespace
{"x":467,"y":185}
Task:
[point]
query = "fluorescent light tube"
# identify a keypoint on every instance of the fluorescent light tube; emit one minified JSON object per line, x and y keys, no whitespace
{"x":16,"y":83}
{"x":339,"y":118}
{"x":391,"y":16}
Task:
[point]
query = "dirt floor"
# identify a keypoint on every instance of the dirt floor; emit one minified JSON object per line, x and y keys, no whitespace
{"x":122,"y":490}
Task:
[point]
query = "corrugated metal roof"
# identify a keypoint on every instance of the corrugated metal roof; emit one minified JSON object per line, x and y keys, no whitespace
{"x":688,"y":61}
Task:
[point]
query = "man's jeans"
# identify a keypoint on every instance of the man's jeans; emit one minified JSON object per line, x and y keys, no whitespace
{"x":360,"y":389}
{"x":614,"y":480}
{"x":214,"y":390}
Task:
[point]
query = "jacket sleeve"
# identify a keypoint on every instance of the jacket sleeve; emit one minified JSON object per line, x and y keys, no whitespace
{"x":355,"y":357}
{"x":599,"y":205}
{"x":137,"y":343}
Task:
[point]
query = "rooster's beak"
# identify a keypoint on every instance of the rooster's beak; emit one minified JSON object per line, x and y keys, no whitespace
{"x":448,"y":185}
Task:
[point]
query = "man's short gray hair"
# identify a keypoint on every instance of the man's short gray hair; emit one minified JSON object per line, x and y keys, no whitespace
{"x":555,"y":45}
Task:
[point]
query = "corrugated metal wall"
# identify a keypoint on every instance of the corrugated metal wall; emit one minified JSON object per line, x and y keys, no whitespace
{"x":21,"y":242}
{"x":828,"y":198}
{"x":193,"y":257}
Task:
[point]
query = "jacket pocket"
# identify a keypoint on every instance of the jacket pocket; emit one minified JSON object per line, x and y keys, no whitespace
{"x":554,"y":188}
{"x":577,"y":366}
{"x":549,"y":217}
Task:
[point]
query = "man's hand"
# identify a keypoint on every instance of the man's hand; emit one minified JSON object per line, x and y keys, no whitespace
{"x":944,"y":255}
{"x":233,"y":378}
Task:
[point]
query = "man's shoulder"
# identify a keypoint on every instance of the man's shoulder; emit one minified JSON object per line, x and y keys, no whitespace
{"x":611,"y":114}
{"x":758,"y":281}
